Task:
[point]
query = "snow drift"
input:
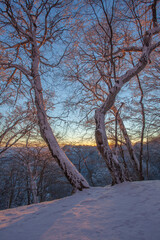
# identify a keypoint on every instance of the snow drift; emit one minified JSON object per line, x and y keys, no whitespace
{"x":127,"y":211}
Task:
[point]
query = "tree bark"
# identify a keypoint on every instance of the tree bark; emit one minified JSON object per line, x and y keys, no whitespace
{"x":115,"y":168}
{"x":133,"y":158}
{"x":143,"y":127}
{"x":33,"y":183}
{"x":70,"y":171}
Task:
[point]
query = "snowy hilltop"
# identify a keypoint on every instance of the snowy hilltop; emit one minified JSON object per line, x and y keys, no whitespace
{"x":127,"y":211}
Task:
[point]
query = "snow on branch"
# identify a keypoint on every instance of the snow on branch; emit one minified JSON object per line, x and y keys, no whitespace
{"x":146,"y":51}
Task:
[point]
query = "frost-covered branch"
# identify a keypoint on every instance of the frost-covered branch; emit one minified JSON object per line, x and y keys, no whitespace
{"x":146,"y":51}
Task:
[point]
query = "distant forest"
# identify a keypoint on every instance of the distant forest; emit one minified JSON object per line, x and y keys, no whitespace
{"x":20,"y":166}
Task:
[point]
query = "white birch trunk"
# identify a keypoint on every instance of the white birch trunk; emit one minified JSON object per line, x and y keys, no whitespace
{"x":34,"y":190}
{"x":70,"y":171}
{"x":117,"y":172}
{"x":115,"y":168}
{"x":33,"y":184}
{"x":133,"y":158}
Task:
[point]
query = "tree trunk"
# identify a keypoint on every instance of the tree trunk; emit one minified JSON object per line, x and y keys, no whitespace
{"x":133,"y":158}
{"x":11,"y":197}
{"x":28,"y":191}
{"x":143,"y":123}
{"x":33,"y":184}
{"x":70,"y":171}
{"x":115,"y":168}
{"x":143,"y":127}
{"x":147,"y":160}
{"x":34,"y":190}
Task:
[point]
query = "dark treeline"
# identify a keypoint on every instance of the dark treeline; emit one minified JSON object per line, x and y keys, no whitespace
{"x":29,"y":176}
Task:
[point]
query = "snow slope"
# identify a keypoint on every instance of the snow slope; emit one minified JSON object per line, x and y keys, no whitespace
{"x":128,"y":211}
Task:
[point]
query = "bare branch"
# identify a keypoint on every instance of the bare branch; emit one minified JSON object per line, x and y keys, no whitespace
{"x":154,"y":13}
{"x":8,"y":65}
{"x":14,"y":22}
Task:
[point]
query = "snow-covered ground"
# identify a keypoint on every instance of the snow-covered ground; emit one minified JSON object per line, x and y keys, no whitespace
{"x":128,"y":211}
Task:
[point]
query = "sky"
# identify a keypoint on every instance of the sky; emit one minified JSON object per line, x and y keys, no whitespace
{"x":70,"y":128}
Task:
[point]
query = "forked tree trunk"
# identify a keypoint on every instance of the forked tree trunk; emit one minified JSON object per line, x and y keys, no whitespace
{"x":115,"y":168}
{"x":70,"y":171}
{"x":133,"y":158}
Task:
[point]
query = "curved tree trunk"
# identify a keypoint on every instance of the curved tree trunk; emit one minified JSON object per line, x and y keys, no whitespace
{"x":133,"y":158}
{"x":115,"y":168}
{"x":70,"y":171}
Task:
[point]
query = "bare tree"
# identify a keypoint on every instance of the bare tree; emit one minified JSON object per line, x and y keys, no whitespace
{"x":102,"y":57}
{"x":30,"y":26}
{"x":101,"y":138}
{"x":81,"y":159}
{"x":15,"y":126}
{"x":34,"y":160}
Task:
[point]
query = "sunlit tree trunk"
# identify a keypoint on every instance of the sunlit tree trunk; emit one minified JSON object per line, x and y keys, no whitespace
{"x":70,"y":171}
{"x":115,"y":168}
{"x":101,"y":138}
{"x":133,"y":159}
{"x":38,"y":25}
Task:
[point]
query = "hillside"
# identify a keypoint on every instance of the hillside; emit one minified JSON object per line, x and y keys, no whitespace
{"x":125,"y":211}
